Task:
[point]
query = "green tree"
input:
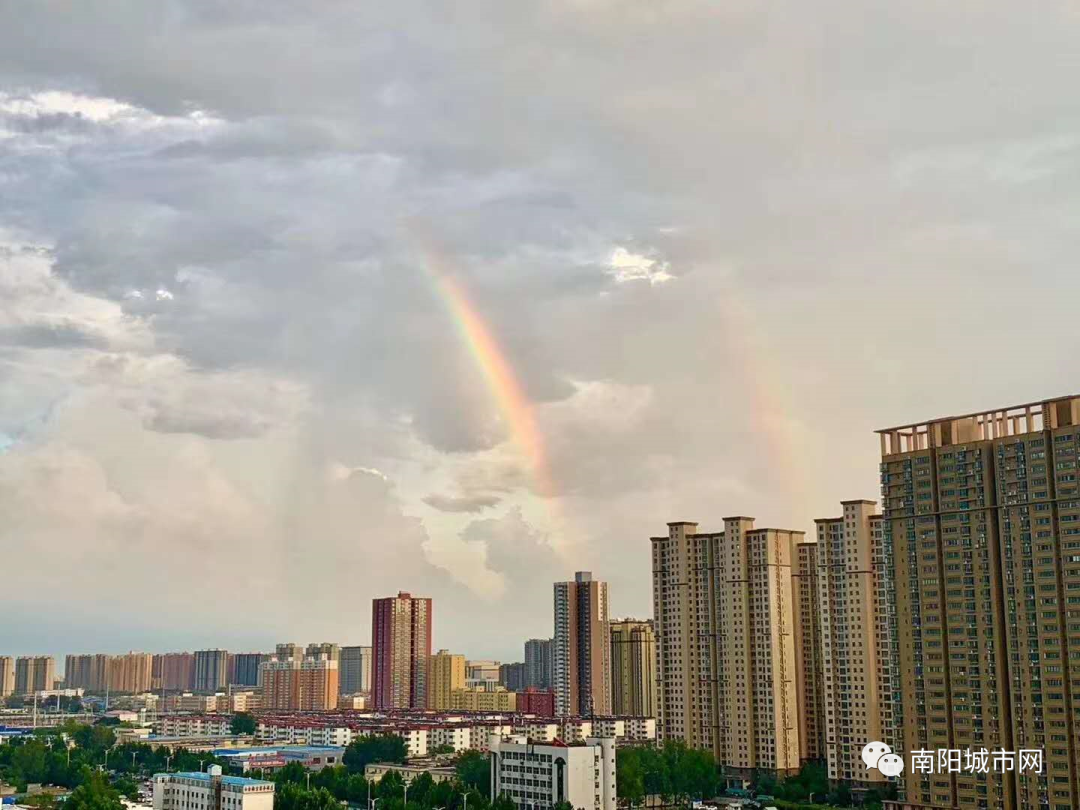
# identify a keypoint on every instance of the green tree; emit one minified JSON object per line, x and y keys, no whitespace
{"x":474,"y":771}
{"x":242,"y":723}
{"x":374,"y":748}
{"x":390,"y":787}
{"x":94,"y":794}
{"x":629,"y":776}
{"x":294,"y":772}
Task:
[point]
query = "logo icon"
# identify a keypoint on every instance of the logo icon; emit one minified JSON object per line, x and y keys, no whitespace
{"x":880,"y":756}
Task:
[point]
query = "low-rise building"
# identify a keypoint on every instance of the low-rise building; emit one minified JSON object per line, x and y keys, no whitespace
{"x":211,"y":791}
{"x":541,"y":776}
{"x":375,"y":771}
{"x":482,"y":699}
{"x":272,"y":758}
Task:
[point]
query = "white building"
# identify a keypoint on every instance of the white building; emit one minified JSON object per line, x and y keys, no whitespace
{"x":211,"y":791}
{"x":540,"y":776}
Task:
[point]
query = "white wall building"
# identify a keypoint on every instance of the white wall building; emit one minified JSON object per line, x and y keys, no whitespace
{"x":540,"y":776}
{"x":211,"y":791}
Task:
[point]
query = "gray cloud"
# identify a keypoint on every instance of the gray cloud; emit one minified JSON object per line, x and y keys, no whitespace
{"x":453,"y":503}
{"x":212,"y":225}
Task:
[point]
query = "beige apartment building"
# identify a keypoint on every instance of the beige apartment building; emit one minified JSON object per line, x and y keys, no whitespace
{"x":7,"y":676}
{"x":983,"y":514}
{"x":478,"y":699}
{"x":132,"y":672}
{"x":89,"y":672}
{"x":809,"y":686}
{"x":633,"y":668}
{"x":446,"y":672}
{"x":34,"y":673}
{"x":581,"y":650}
{"x":300,"y":684}
{"x":725,"y":625}
{"x":856,"y":660}
{"x":173,"y":671}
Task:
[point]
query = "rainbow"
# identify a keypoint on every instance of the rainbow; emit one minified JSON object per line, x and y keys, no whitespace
{"x":503,"y":384}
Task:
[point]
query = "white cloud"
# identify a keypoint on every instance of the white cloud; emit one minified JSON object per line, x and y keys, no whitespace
{"x":626,"y":266}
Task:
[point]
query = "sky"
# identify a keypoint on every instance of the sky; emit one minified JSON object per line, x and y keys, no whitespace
{"x":303,"y":304}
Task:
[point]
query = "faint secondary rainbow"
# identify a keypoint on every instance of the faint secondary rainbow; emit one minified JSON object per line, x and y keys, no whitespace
{"x":506,"y":391}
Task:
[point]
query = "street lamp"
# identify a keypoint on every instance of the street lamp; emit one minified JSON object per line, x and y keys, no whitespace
{"x":406,"y":804}
{"x":375,"y":802}
{"x":308,"y":775}
{"x":168,"y":759}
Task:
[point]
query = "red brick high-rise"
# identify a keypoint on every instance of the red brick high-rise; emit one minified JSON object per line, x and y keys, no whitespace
{"x":401,"y":646}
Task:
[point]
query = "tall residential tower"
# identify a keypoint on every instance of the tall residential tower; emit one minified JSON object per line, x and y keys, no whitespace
{"x":401,"y":646}
{"x":582,"y":647}
{"x":725,"y":627}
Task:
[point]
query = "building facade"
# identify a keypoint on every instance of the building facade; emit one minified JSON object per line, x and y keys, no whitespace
{"x":401,"y":646}
{"x":633,"y":668}
{"x":34,"y":673}
{"x":211,"y":791}
{"x":354,"y":667}
{"x":131,"y":673}
{"x":512,"y":676}
{"x":300,"y":684}
{"x":725,"y":627}
{"x":446,"y":673}
{"x":173,"y":671}
{"x":211,"y":670}
{"x":856,"y":687}
{"x":540,"y":702}
{"x":474,"y":699}
{"x":244,"y":668}
{"x":539,"y":670}
{"x":982,"y":513}
{"x":581,"y":648}
{"x":88,"y":672}
{"x":542,"y":776}
{"x":7,"y":676}
{"x":810,"y":689}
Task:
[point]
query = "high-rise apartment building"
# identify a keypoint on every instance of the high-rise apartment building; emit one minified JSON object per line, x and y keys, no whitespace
{"x":211,"y":670}
{"x":7,"y":676}
{"x":89,"y":672}
{"x":854,"y":697}
{"x":281,"y":683}
{"x":633,"y":668}
{"x":332,"y":651}
{"x":538,"y":663}
{"x":582,"y":647}
{"x":244,"y":668}
{"x":809,"y":686}
{"x":288,"y":650}
{"x":446,"y":672}
{"x":982,"y":515}
{"x":724,"y":621}
{"x":300,"y":684}
{"x":132,"y":673}
{"x":401,"y":646}
{"x":318,"y":684}
{"x":34,"y":673}
{"x":512,"y":676}
{"x":355,"y":670}
{"x":173,"y":671}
